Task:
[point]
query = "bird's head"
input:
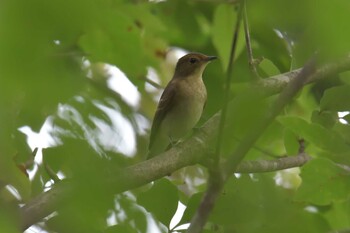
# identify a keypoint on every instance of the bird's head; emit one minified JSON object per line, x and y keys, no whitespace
{"x":192,"y":64}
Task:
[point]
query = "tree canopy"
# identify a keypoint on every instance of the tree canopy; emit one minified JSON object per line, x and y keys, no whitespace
{"x":80,"y":82}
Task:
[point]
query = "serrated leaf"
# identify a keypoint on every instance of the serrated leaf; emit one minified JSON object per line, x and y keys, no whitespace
{"x":161,"y":200}
{"x":336,"y":99}
{"x":323,"y":182}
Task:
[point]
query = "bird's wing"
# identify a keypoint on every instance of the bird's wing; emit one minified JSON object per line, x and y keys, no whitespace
{"x":166,"y":102}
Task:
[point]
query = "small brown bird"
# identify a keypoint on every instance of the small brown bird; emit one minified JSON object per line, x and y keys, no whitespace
{"x":181,"y":104}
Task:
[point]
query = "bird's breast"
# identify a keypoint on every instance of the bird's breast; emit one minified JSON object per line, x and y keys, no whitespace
{"x":191,"y":96}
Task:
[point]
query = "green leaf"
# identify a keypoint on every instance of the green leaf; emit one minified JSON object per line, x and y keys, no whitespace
{"x":336,"y":99}
{"x":257,"y":205}
{"x":224,"y":22}
{"x":161,"y":200}
{"x":323,"y":138}
{"x":324,"y":118}
{"x":338,"y":214}
{"x":323,"y":182}
{"x":191,"y":207}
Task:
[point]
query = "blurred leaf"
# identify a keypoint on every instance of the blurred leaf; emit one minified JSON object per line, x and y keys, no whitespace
{"x":323,"y":182}
{"x":324,"y":32}
{"x":333,"y":99}
{"x":224,"y":22}
{"x":162,"y":194}
{"x":105,"y":45}
{"x":181,"y":17}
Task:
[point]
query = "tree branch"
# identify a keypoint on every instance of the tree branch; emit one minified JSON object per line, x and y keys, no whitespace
{"x":187,"y":153}
{"x":260,"y":166}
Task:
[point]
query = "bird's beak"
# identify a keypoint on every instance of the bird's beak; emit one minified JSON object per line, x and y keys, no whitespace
{"x":210,"y":58}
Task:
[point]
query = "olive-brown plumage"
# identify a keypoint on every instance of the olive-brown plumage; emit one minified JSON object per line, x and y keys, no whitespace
{"x":181,"y":104}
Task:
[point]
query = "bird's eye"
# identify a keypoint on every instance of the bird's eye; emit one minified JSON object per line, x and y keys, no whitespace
{"x":193,"y":60}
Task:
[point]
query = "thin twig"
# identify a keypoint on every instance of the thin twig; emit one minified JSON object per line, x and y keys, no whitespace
{"x":251,"y":60}
{"x":153,"y":83}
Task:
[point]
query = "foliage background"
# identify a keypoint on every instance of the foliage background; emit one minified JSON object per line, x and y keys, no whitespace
{"x":52,"y":64}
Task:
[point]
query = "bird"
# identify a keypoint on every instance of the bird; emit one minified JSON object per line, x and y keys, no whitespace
{"x":181,"y":103}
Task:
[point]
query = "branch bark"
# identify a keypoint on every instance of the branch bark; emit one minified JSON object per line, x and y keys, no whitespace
{"x":187,"y":153}
{"x":260,"y":166}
